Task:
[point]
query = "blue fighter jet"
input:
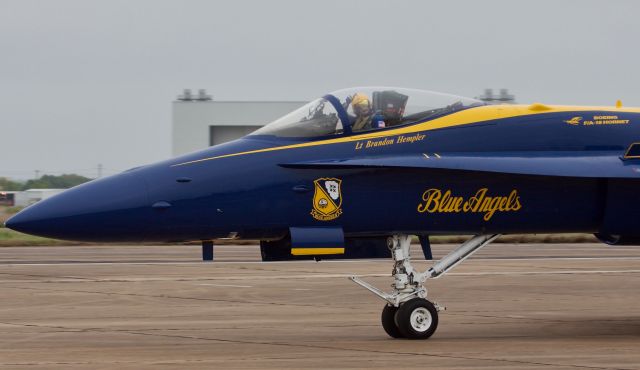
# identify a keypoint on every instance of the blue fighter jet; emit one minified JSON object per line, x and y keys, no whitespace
{"x":359,"y":172}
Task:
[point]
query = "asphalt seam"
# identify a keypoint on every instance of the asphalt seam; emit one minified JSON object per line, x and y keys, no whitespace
{"x":253,"y":261}
{"x":178,"y":297}
{"x":315,"y":346}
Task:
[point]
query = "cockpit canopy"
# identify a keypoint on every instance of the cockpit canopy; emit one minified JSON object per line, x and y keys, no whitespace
{"x":363,"y":109}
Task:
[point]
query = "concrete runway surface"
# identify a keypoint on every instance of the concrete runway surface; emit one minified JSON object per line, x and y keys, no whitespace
{"x":527,"y":306}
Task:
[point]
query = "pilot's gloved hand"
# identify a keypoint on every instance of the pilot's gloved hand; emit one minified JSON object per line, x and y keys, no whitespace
{"x":377,"y":121}
{"x":347,"y":101}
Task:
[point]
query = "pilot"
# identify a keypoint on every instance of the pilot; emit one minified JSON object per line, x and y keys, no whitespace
{"x":365,"y":117}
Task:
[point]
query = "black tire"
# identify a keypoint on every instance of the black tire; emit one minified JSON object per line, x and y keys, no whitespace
{"x":388,"y":321}
{"x":422,"y":325}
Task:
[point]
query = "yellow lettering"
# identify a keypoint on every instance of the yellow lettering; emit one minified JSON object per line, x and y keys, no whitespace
{"x":437,"y":201}
{"x":475,"y":201}
{"x":493,"y":207}
{"x":431,"y":196}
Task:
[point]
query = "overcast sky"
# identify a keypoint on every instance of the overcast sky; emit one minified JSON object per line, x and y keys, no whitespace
{"x":85,"y":82}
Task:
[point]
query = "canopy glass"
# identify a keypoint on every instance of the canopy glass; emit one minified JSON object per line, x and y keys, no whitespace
{"x":363,"y":109}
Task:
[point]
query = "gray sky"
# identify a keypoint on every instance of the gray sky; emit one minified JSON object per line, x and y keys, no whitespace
{"x":86,"y":82}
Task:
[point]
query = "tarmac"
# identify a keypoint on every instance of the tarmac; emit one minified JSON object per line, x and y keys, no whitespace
{"x":526,"y":306}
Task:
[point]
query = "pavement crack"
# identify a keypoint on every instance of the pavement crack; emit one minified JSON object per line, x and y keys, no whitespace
{"x":316,"y":346}
{"x":401,"y":353}
{"x":178,"y":297}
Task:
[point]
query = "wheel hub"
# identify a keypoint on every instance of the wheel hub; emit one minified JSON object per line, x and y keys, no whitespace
{"x":421,"y":319}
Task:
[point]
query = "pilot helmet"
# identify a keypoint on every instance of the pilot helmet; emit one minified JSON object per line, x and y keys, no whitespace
{"x":361,"y":105}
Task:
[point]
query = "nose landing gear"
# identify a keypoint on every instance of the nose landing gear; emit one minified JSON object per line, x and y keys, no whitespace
{"x":414,"y":319}
{"x":408,"y":313}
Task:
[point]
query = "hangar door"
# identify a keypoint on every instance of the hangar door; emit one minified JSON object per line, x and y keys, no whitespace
{"x":222,"y":134}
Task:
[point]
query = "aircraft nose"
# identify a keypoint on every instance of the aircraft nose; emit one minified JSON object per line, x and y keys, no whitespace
{"x":109,"y":209}
{"x":12,"y":223}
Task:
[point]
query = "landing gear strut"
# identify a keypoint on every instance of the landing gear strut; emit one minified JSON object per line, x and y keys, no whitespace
{"x":408,"y":313}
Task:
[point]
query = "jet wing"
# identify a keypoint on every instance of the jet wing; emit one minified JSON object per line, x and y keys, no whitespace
{"x":567,"y":164}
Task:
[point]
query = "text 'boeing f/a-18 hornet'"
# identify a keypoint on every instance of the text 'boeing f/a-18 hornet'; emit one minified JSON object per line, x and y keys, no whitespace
{"x":359,"y":172}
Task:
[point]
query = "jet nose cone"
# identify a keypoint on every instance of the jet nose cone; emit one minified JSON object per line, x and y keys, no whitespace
{"x":13,"y":223}
{"x":22,"y":220}
{"x":109,"y":209}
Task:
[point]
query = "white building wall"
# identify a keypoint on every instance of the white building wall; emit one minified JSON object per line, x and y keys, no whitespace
{"x":31,"y":196}
{"x":192,"y":119}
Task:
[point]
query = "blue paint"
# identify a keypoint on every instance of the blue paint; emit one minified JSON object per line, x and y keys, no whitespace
{"x":568,"y":179}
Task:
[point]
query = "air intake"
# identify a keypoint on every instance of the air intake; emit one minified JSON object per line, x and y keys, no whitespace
{"x":633,"y":152}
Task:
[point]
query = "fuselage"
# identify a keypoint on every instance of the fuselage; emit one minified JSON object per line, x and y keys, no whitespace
{"x":241,"y":189}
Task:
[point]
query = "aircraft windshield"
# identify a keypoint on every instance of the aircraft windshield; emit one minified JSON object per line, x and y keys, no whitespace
{"x":318,"y":118}
{"x":364,"y":109}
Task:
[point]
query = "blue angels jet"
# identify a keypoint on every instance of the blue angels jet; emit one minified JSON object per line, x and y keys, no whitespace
{"x":359,"y":172}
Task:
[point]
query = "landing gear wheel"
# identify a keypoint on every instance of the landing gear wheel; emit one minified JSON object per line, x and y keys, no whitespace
{"x":417,"y":319}
{"x":388,"y":321}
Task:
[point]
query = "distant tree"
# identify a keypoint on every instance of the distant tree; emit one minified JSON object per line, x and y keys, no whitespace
{"x":55,"y":182}
{"x":8,"y":185}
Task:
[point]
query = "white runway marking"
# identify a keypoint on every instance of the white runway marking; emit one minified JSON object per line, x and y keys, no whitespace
{"x":345,"y":276}
{"x":558,"y":272}
{"x":228,"y":285}
{"x":385,"y":261}
{"x":333,"y":276}
{"x":326,"y":276}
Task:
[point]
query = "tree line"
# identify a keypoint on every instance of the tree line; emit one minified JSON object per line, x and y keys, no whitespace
{"x":44,"y":182}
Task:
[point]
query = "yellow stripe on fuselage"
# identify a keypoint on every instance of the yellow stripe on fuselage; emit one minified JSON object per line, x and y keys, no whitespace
{"x":316,"y":251}
{"x":464,"y":117}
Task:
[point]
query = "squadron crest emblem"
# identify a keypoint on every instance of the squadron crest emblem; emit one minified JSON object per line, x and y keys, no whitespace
{"x":574,"y":121}
{"x":327,"y":199}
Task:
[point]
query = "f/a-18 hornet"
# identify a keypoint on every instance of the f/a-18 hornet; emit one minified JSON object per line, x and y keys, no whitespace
{"x":359,"y":172}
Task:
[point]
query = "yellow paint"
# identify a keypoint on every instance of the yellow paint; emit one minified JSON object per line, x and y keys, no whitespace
{"x":626,"y":154}
{"x":605,"y":120}
{"x":438,"y":201}
{"x":464,"y":117}
{"x":539,"y":107}
{"x":618,"y":103}
{"x":574,"y":121}
{"x":316,"y":251}
{"x":326,"y":208}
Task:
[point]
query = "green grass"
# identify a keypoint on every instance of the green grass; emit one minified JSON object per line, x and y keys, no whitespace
{"x":10,"y":238}
{"x":13,"y":210}
{"x":6,"y":212}
{"x":522,"y":238}
{"x":14,"y":238}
